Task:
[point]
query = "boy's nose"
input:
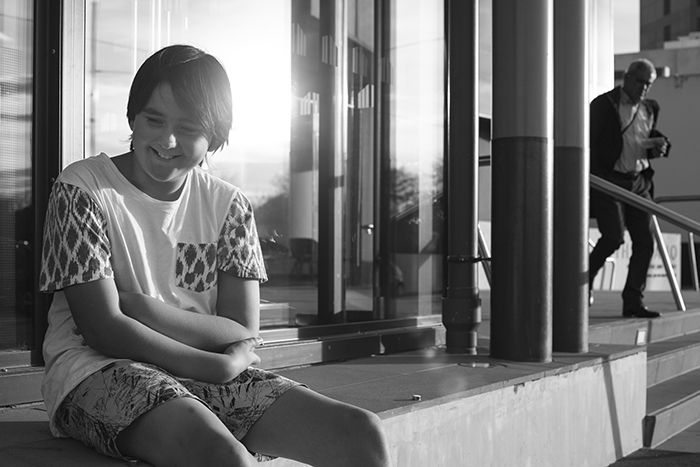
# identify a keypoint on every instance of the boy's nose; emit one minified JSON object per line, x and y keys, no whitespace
{"x":168,"y":140}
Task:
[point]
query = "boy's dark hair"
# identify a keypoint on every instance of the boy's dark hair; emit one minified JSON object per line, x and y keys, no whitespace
{"x":199,"y":83}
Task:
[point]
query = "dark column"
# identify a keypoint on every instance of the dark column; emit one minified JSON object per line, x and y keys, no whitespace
{"x":570,"y":287}
{"x":329,"y":263}
{"x":382,"y":162}
{"x":522,"y":178}
{"x":461,"y":309}
{"x":46,"y":139}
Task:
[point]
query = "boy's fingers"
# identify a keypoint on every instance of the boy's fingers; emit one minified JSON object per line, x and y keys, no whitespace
{"x":257,"y":341}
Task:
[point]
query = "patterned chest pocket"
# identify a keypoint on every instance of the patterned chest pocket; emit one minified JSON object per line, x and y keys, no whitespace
{"x":195,"y":266}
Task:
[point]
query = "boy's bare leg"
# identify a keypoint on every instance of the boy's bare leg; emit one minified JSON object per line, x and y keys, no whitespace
{"x":311,"y":428}
{"x":183,"y":432}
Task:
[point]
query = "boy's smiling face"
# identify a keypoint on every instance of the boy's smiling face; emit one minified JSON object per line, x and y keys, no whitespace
{"x":168,"y":143}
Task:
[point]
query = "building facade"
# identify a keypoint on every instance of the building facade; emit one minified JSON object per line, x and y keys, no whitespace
{"x":665,"y":20}
{"x":338,"y":140}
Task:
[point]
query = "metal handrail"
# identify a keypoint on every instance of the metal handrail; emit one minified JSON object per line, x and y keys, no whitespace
{"x":672,"y":217}
{"x":676,"y":198}
{"x":655,"y":210}
{"x":691,"y":236}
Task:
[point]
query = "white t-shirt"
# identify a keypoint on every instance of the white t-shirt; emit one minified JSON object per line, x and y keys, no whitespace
{"x":99,"y":225}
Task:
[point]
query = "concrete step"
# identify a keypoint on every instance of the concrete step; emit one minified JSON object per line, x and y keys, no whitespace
{"x":672,"y":406}
{"x":638,"y":331}
{"x":687,"y":440}
{"x":672,"y":357}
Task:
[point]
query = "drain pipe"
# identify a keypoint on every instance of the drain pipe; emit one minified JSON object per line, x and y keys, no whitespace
{"x":461,"y":306}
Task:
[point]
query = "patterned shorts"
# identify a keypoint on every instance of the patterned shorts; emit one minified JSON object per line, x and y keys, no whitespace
{"x":110,"y":399}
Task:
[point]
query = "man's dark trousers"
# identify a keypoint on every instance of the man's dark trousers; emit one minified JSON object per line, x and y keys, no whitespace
{"x":612,"y":218}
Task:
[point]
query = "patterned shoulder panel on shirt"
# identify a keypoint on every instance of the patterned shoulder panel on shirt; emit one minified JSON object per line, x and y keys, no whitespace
{"x":238,"y":249}
{"x":76,"y":248}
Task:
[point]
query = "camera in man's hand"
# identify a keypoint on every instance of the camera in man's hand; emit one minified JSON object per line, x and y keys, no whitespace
{"x":657,"y":145}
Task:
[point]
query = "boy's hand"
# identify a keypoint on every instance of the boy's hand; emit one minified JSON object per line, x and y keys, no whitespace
{"x":242,"y":354}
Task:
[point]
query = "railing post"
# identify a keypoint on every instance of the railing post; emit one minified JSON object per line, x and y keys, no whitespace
{"x":693,"y":261}
{"x":670,"y":274}
{"x":485,"y":255}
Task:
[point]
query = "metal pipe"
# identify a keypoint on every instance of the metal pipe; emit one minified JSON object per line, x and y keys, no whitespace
{"x":461,"y":307}
{"x":663,"y":251}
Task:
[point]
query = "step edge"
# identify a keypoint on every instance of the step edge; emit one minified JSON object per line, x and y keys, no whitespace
{"x":671,"y":424}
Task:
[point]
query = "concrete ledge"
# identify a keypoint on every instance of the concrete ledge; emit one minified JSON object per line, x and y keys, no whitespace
{"x":583,"y":410}
{"x":578,"y":410}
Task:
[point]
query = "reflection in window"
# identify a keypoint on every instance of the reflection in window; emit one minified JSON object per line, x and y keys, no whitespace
{"x":416,"y":153}
{"x":253,"y":40}
{"x":16,"y":212}
{"x":302,"y":76}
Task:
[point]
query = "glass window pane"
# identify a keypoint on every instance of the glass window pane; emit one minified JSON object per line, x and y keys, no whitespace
{"x":288,"y":129}
{"x":416,"y":137}
{"x":277,"y":169}
{"x":16,"y":211}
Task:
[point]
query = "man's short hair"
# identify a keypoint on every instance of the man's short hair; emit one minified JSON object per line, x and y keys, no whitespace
{"x":640,"y":64}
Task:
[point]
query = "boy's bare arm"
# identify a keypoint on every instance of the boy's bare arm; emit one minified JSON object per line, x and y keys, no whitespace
{"x":239,"y":300}
{"x":237,"y":310}
{"x":95,"y":309}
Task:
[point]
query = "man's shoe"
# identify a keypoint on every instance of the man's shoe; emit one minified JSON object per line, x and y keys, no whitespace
{"x":641,"y":312}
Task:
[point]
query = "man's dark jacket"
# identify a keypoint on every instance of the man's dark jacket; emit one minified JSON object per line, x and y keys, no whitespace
{"x":606,"y":133}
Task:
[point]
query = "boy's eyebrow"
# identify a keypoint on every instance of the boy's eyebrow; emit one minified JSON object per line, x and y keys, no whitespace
{"x":152,"y":111}
{"x":157,"y":113}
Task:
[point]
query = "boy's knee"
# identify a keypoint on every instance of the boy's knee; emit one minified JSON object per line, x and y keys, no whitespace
{"x":365,"y":428}
{"x":357,"y":417}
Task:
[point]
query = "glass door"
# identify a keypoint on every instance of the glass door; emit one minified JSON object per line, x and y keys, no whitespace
{"x":360,"y":226}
